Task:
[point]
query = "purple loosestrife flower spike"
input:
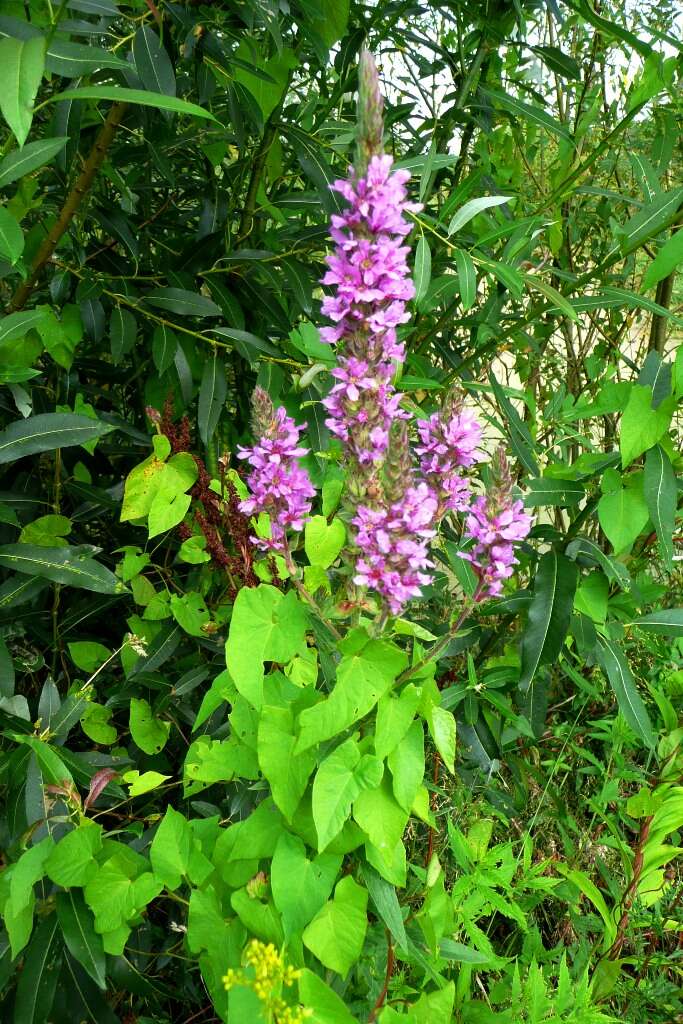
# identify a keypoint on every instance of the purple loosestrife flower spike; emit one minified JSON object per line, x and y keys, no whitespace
{"x":369,"y":273}
{"x":495,"y":523}
{"x":278,"y":484}
{"x":449,"y":442}
{"x":393,"y":539}
{"x":393,"y":543}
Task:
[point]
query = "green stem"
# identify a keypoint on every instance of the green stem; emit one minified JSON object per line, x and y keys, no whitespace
{"x":293,"y":570}
{"x":436,"y":649}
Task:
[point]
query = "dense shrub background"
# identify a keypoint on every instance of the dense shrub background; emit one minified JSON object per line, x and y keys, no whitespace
{"x":164,"y":219}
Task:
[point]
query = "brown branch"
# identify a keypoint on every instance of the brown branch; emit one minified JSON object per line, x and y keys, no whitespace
{"x":269,"y":133}
{"x":73,"y":202}
{"x":387,"y":978}
{"x":663,"y":296}
{"x":155,"y":12}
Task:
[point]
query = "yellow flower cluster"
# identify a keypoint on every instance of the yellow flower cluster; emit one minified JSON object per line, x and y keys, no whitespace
{"x":268,"y":974}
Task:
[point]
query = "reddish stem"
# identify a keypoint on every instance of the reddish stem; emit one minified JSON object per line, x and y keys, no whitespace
{"x":387,"y":978}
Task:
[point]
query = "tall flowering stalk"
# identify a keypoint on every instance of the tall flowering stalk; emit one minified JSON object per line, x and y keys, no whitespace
{"x":278,"y":484}
{"x":496,"y":522}
{"x":395,"y":496}
{"x":371,"y":279}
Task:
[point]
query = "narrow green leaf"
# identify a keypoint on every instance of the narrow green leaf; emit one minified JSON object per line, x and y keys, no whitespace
{"x":244,"y":342}
{"x":661,"y":498}
{"x":80,"y":937}
{"x":47,"y":431}
{"x":164,"y":347}
{"x":146,"y":99}
{"x":183,"y":302}
{"x":614,"y":570}
{"x":610,"y":29}
{"x":650,"y":219}
{"x":39,"y":975}
{"x":70,"y":566}
{"x":616,"y":668}
{"x":665,"y":262}
{"x":212,"y":393}
{"x":549,"y":613}
{"x":34,"y":155}
{"x":467,"y":277}
{"x":423,"y":268}
{"x":385,"y":900}
{"x":520,"y":437}
{"x":22,"y":62}
{"x":667,"y":622}
{"x":547,"y":490}
{"x":472,"y":208}
{"x":556,"y":298}
{"x":11,"y":237}
{"x":122,"y":332}
{"x":71,"y":60}
{"x":559,"y":62}
{"x":152,"y":63}
{"x":527,"y":112}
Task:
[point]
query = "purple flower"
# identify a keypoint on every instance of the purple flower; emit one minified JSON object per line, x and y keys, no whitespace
{"x":393,"y":543}
{"x":449,"y":440}
{"x":278,"y":484}
{"x":368,"y":266}
{"x":369,"y":271}
{"x":495,"y":522}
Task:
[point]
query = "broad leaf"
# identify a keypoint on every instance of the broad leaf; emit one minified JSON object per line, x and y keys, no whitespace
{"x":300,"y":886}
{"x":266,"y":625}
{"x":337,"y":934}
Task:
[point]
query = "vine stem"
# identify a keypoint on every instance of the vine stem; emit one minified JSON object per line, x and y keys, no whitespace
{"x":629,"y":896}
{"x":387,"y":978}
{"x":305,"y":594}
{"x":441,"y":645}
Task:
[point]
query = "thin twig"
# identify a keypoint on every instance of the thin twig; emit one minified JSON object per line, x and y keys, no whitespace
{"x":441,"y":645}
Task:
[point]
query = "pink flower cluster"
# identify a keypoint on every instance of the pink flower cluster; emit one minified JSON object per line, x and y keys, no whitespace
{"x":393,"y":542}
{"x":372,"y":282}
{"x":278,"y":484}
{"x":495,"y":525}
{"x":362,"y":407}
{"x":448,"y":444}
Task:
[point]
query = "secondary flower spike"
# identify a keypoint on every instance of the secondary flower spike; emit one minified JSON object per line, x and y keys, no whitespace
{"x":278,"y":484}
{"x":495,"y":522}
{"x":449,"y":442}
